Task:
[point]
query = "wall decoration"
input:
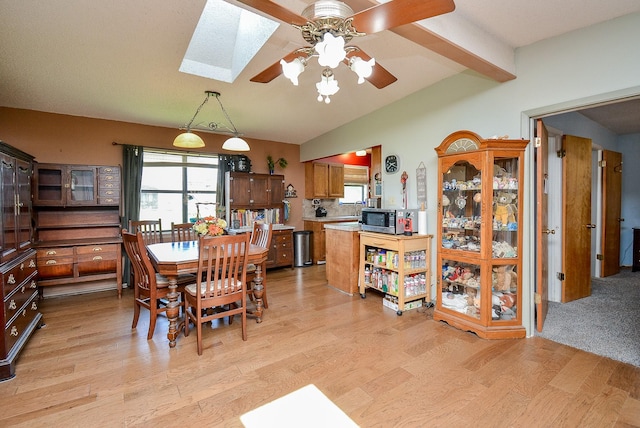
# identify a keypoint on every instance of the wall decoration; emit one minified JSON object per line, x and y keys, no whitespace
{"x":421,"y":185}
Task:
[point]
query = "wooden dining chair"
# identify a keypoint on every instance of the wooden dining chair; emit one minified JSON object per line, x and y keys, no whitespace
{"x":260,"y":236}
{"x":221,"y":282}
{"x":150,"y":288}
{"x":181,"y":232}
{"x":151,"y":230}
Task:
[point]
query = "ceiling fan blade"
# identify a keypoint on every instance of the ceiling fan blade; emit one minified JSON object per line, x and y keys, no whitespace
{"x":399,"y":12}
{"x":274,"y":70}
{"x":380,"y":77}
{"x":275,"y":10}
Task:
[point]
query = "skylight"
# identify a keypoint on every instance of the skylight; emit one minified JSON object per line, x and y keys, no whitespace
{"x":225,"y":40}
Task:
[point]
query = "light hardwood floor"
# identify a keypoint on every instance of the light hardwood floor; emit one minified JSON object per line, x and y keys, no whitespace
{"x":88,"y":368}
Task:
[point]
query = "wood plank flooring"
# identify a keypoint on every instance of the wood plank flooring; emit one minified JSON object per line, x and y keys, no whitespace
{"x":88,"y":368}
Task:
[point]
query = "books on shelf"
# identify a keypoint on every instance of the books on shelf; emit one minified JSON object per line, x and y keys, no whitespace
{"x":244,"y":218}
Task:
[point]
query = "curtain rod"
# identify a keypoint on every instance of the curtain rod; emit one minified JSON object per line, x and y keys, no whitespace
{"x":114,"y":143}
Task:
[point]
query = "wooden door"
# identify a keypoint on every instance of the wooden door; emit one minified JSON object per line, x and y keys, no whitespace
{"x":239,"y":189}
{"x":542,"y":224}
{"x":576,"y":217}
{"x":611,"y":206}
{"x":260,"y":190}
{"x":276,"y":189}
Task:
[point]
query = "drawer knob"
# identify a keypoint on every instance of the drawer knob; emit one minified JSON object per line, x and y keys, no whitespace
{"x":50,"y":262}
{"x":97,"y":258}
{"x":32,"y":263}
{"x":34,"y":306}
{"x":97,"y":248}
{"x":33,"y":284}
{"x":12,"y":304}
{"x":11,"y":279}
{"x":14,"y":330}
{"x":51,"y":253}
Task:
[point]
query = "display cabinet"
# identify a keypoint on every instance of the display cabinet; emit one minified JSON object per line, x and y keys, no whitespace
{"x":250,"y":197}
{"x":19,"y":311}
{"x":479,"y":247}
{"x":398,"y":266}
{"x":78,"y":224}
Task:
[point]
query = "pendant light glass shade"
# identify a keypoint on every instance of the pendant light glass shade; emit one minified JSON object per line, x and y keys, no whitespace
{"x":188,"y":140}
{"x":236,"y":144}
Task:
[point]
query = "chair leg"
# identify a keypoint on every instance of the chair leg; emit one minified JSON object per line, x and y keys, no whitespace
{"x":136,"y":313}
{"x":199,"y":335}
{"x":153,"y":315}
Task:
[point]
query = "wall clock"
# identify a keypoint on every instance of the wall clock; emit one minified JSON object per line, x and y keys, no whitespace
{"x":392,"y":164}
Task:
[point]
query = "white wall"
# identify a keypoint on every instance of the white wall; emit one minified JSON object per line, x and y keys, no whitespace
{"x":595,"y":64}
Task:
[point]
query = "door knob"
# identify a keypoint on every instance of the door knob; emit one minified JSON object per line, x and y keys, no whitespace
{"x":591,"y":226}
{"x":549,"y":231}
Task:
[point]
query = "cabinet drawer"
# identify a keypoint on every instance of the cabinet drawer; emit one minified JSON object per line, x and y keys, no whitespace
{"x":17,"y":300}
{"x":45,"y":253}
{"x":89,"y":264}
{"x":17,"y":274}
{"x":97,"y":249}
{"x":18,"y":325}
{"x":55,"y":266}
{"x":108,"y":170}
{"x":284,"y":256}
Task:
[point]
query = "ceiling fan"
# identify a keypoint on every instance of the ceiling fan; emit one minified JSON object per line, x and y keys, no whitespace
{"x":329,"y":25}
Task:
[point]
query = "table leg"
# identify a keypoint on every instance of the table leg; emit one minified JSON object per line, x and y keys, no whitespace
{"x":258,"y":290}
{"x":173,"y":310}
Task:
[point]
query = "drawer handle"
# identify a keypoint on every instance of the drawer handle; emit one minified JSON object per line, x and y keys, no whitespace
{"x":22,"y":290}
{"x":97,"y":258}
{"x":12,"y":304}
{"x":14,"y":330}
{"x":109,"y":192}
{"x":108,"y":185}
{"x":32,"y":263}
{"x":97,"y":249}
{"x":11,"y":279}
{"x":22,"y":266}
{"x":51,"y":262}
{"x":51,"y":253}
{"x":34,"y":306}
{"x":33,"y":284}
{"x":108,"y":177}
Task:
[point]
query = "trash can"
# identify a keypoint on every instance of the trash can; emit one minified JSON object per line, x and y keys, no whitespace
{"x":302,"y":248}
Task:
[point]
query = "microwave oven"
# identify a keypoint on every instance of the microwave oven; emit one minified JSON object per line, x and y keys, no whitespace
{"x":389,"y":221}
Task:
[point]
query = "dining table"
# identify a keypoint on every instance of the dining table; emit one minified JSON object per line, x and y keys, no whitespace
{"x":175,"y":258}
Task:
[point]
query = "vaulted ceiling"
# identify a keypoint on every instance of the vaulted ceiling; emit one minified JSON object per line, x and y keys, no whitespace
{"x":120,"y":60}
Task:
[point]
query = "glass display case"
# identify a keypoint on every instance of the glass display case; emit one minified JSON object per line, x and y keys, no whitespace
{"x":478,"y":250}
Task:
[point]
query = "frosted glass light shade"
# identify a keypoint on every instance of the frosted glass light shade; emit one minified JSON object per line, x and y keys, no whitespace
{"x":330,"y":50}
{"x":188,"y":140}
{"x":236,"y":144}
{"x":292,"y":70}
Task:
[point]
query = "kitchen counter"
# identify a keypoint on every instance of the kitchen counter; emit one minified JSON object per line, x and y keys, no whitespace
{"x":343,"y":256}
{"x":347,"y":227}
{"x":250,"y":229}
{"x":332,"y":218}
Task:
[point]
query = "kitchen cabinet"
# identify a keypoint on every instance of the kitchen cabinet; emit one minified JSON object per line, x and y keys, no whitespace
{"x":397,"y":265}
{"x":323,"y":180}
{"x":281,"y":249}
{"x":76,"y":185}
{"x":248,"y":190}
{"x":479,"y":248}
{"x":19,"y":311}
{"x":78,"y":224}
{"x":318,"y":238}
{"x":343,"y":251}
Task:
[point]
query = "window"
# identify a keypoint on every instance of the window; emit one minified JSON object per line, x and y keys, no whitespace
{"x":356,"y":180}
{"x":172,"y":184}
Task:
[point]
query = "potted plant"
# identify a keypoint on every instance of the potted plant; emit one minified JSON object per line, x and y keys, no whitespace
{"x":281,"y":162}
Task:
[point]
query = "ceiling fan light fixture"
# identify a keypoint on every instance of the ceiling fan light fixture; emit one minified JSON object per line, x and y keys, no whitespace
{"x":361,"y":67}
{"x":327,"y":86}
{"x":188,"y":140}
{"x":236,"y":144}
{"x":292,"y":70}
{"x":330,"y":50}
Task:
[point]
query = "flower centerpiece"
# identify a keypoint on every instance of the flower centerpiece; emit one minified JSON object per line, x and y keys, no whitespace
{"x":210,"y":225}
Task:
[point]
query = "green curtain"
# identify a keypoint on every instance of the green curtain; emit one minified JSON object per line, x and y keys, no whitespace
{"x":224,"y":165}
{"x":132,"y":161}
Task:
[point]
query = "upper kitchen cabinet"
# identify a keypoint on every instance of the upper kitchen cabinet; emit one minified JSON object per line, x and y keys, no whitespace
{"x":76,"y":185}
{"x":323,"y":180}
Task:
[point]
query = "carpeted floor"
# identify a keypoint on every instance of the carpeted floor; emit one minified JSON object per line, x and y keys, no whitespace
{"x":606,"y":323}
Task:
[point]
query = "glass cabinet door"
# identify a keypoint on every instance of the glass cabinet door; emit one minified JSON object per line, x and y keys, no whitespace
{"x":82,"y":186}
{"x":462,"y":207}
{"x":49,"y":189}
{"x":505,"y":208}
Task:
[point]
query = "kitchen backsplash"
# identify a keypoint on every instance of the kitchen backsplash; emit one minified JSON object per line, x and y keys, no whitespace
{"x":333,"y":207}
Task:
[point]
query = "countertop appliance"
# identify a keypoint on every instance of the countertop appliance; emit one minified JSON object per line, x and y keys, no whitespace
{"x":391,"y":221}
{"x":321,"y":212}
